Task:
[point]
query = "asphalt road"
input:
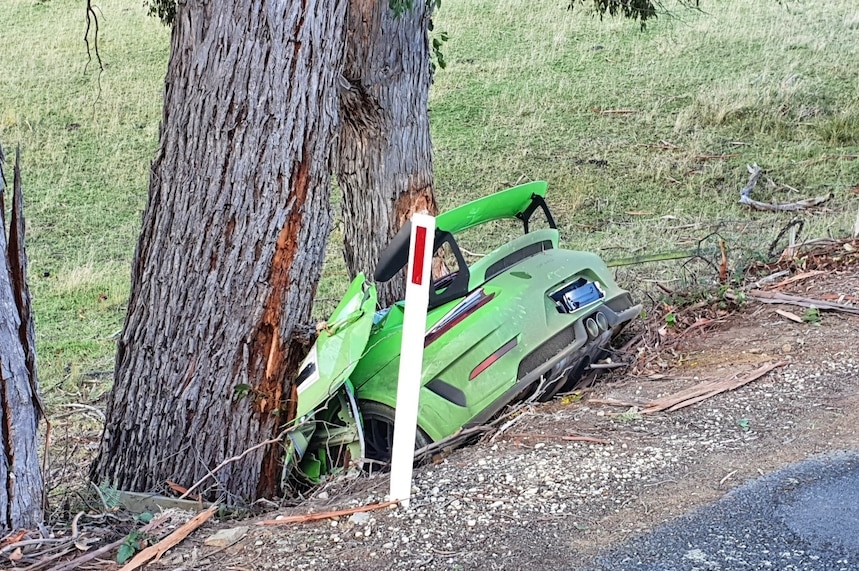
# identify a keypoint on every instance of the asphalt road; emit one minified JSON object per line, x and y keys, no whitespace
{"x":802,"y":518}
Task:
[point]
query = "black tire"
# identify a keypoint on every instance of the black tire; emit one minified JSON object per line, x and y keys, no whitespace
{"x":379,"y":434}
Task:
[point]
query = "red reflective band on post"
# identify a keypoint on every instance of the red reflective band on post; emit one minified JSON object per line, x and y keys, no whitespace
{"x":418,"y":261}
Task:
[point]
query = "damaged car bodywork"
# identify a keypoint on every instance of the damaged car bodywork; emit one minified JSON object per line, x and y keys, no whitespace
{"x":523,"y":321}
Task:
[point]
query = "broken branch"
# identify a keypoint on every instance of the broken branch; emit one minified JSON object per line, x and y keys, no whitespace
{"x":302,"y":518}
{"x":755,"y":173}
{"x":154,"y":552}
{"x":778,"y":297}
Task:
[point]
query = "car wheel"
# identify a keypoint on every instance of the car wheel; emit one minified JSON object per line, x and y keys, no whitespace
{"x":379,"y":434}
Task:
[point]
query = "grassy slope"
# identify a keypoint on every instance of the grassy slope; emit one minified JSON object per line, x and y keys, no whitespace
{"x":758,"y":81}
{"x":87,"y":139}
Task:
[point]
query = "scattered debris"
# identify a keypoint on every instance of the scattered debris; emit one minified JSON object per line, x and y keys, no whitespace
{"x":821,"y":304}
{"x":564,"y":438}
{"x":793,"y":279}
{"x":154,"y":552}
{"x":226,"y":537}
{"x":696,"y":394}
{"x":755,"y":173}
{"x":789,"y":315}
{"x":43,"y":553}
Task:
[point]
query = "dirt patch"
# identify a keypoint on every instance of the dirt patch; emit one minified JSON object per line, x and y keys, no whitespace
{"x":541,"y":496}
{"x":567,"y":479}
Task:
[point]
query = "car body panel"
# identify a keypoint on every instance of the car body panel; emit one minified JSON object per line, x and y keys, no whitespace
{"x":338,"y":347}
{"x":525,"y":320}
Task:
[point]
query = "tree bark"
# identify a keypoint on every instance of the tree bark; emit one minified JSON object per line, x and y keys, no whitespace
{"x":22,"y":496}
{"x":384,"y":159}
{"x":231,"y":246}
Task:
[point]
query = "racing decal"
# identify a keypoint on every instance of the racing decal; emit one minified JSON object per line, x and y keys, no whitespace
{"x":485,"y":364}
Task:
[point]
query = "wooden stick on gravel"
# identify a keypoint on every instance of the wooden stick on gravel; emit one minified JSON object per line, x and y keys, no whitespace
{"x":704,"y":391}
{"x":302,"y":518}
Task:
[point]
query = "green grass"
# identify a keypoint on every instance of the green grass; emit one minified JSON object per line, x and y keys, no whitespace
{"x":754,"y":81}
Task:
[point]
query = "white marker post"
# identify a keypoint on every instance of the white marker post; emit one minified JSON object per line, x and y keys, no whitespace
{"x":418,"y":282}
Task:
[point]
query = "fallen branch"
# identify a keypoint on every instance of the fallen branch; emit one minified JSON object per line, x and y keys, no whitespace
{"x":692,"y":395}
{"x":302,"y":518}
{"x":778,"y":297}
{"x":705,"y":390}
{"x":154,"y":552}
{"x":755,"y":173}
{"x":794,"y":279}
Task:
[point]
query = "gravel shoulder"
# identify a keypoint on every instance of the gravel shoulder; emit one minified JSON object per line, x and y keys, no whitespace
{"x":534,"y":498}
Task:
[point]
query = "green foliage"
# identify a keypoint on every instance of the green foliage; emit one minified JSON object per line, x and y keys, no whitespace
{"x":241,"y":391}
{"x":437,"y":59}
{"x":129,"y":547}
{"x":671,"y":319}
{"x":812,"y":315}
{"x":164,"y":10}
{"x":641,"y":10}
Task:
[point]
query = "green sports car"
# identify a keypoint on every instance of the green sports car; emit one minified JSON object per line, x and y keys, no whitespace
{"x":524,"y":321}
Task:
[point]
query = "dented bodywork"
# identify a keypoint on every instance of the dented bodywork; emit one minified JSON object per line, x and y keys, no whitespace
{"x":523,"y":321}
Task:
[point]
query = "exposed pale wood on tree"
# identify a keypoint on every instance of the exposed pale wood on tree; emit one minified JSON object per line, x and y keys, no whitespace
{"x":384,"y":152}
{"x":21,"y":492}
{"x":231,"y":246}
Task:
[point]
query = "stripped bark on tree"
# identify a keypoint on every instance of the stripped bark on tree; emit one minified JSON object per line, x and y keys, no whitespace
{"x":230,"y":250}
{"x":21,"y":498}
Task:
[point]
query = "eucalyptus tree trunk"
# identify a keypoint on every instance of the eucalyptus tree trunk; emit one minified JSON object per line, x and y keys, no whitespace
{"x":230,"y":250}
{"x":21,"y":498}
{"x":384,"y":165}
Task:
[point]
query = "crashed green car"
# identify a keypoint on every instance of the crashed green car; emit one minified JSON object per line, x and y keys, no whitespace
{"x":523,"y":321}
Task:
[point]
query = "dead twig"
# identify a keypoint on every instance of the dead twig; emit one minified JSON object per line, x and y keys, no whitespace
{"x":302,"y":518}
{"x":236,"y":458}
{"x":755,"y":173}
{"x":599,"y":111}
{"x":794,"y":279}
{"x":89,"y":556}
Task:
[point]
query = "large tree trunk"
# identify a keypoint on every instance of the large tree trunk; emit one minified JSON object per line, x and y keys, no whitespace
{"x":231,"y":247}
{"x":384,"y":164}
{"x":21,"y":498}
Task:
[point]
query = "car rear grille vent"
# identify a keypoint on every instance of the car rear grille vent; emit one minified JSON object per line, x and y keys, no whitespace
{"x":511,"y":260}
{"x":546,"y":351}
{"x":620,"y":303}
